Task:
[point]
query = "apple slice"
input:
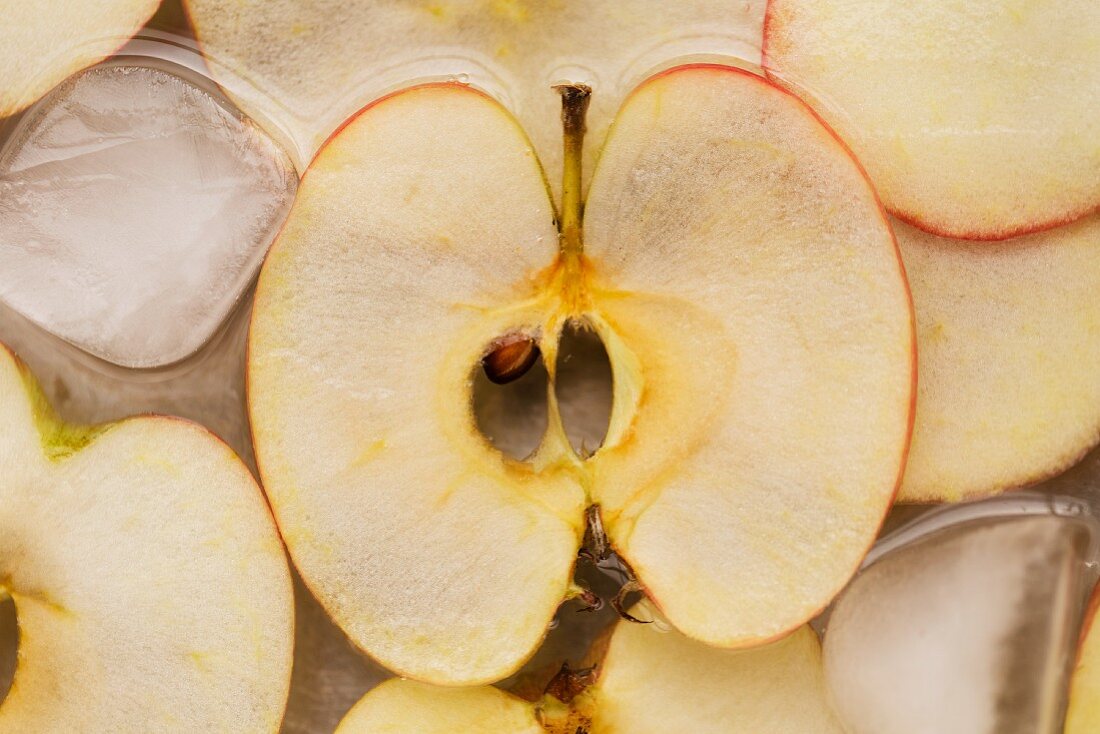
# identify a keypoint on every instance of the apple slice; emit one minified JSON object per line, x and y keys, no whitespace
{"x":748,"y":291}
{"x":964,"y":631}
{"x":45,"y":41}
{"x":974,"y":120}
{"x":650,"y":682}
{"x":660,"y":682}
{"x":150,"y":586}
{"x":309,"y":64}
{"x":1083,"y":716}
{"x":408,"y":707}
{"x":1009,"y":393}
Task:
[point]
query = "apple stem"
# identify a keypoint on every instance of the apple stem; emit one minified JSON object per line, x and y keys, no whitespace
{"x":574,"y":108}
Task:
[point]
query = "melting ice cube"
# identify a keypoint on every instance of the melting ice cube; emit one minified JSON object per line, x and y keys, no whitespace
{"x":969,"y":630}
{"x":135,"y":207}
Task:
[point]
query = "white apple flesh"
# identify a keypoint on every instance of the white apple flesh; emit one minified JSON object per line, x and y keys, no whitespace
{"x":47,"y":40}
{"x":975,"y":120}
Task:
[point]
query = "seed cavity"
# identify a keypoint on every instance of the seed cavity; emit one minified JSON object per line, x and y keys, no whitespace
{"x":583,"y":385}
{"x":512,"y":415}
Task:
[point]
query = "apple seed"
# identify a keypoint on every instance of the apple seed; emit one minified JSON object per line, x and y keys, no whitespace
{"x":510,"y":357}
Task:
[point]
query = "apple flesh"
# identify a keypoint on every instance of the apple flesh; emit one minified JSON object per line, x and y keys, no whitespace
{"x":746,"y":285}
{"x":974,"y":120}
{"x":1009,"y":393}
{"x":149,"y":582}
{"x":651,"y":681}
{"x":47,"y":40}
{"x":297,"y":54}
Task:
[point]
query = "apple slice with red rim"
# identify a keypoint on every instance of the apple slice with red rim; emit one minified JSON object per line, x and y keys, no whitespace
{"x":1009,"y":393}
{"x":742,"y":276}
{"x":975,"y":120}
{"x":45,"y":41}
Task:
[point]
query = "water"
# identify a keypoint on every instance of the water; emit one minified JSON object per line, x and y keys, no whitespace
{"x":135,"y":207}
{"x":514,"y":49}
{"x":91,"y":301}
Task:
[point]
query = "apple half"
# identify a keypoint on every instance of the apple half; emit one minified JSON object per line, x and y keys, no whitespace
{"x":1009,"y":339}
{"x":746,"y":285}
{"x":150,"y":586}
{"x":1083,"y":715}
{"x":45,"y":41}
{"x":974,"y":120}
{"x":649,"y":682}
{"x":306,"y":65}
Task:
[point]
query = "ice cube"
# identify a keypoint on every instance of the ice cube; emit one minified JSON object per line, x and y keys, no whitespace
{"x":135,"y":206}
{"x":968,"y":630}
{"x":207,"y":387}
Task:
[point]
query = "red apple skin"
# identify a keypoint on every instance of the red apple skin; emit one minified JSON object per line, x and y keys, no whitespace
{"x":915,"y":219}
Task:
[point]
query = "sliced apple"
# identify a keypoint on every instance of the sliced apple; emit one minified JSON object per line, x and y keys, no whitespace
{"x":650,"y":682}
{"x":746,"y":286}
{"x":43,"y":42}
{"x":150,"y":586}
{"x":974,"y":120}
{"x":309,"y":64}
{"x":399,"y":706}
{"x":963,"y":631}
{"x":1009,"y":393}
{"x":660,"y":682}
{"x":1083,"y":716}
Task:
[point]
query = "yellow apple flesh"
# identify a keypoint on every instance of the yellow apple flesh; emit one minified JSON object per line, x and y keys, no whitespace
{"x":43,"y":42}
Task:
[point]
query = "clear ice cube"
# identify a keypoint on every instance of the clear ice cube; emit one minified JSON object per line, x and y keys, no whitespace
{"x":969,"y":629}
{"x":135,"y":206}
